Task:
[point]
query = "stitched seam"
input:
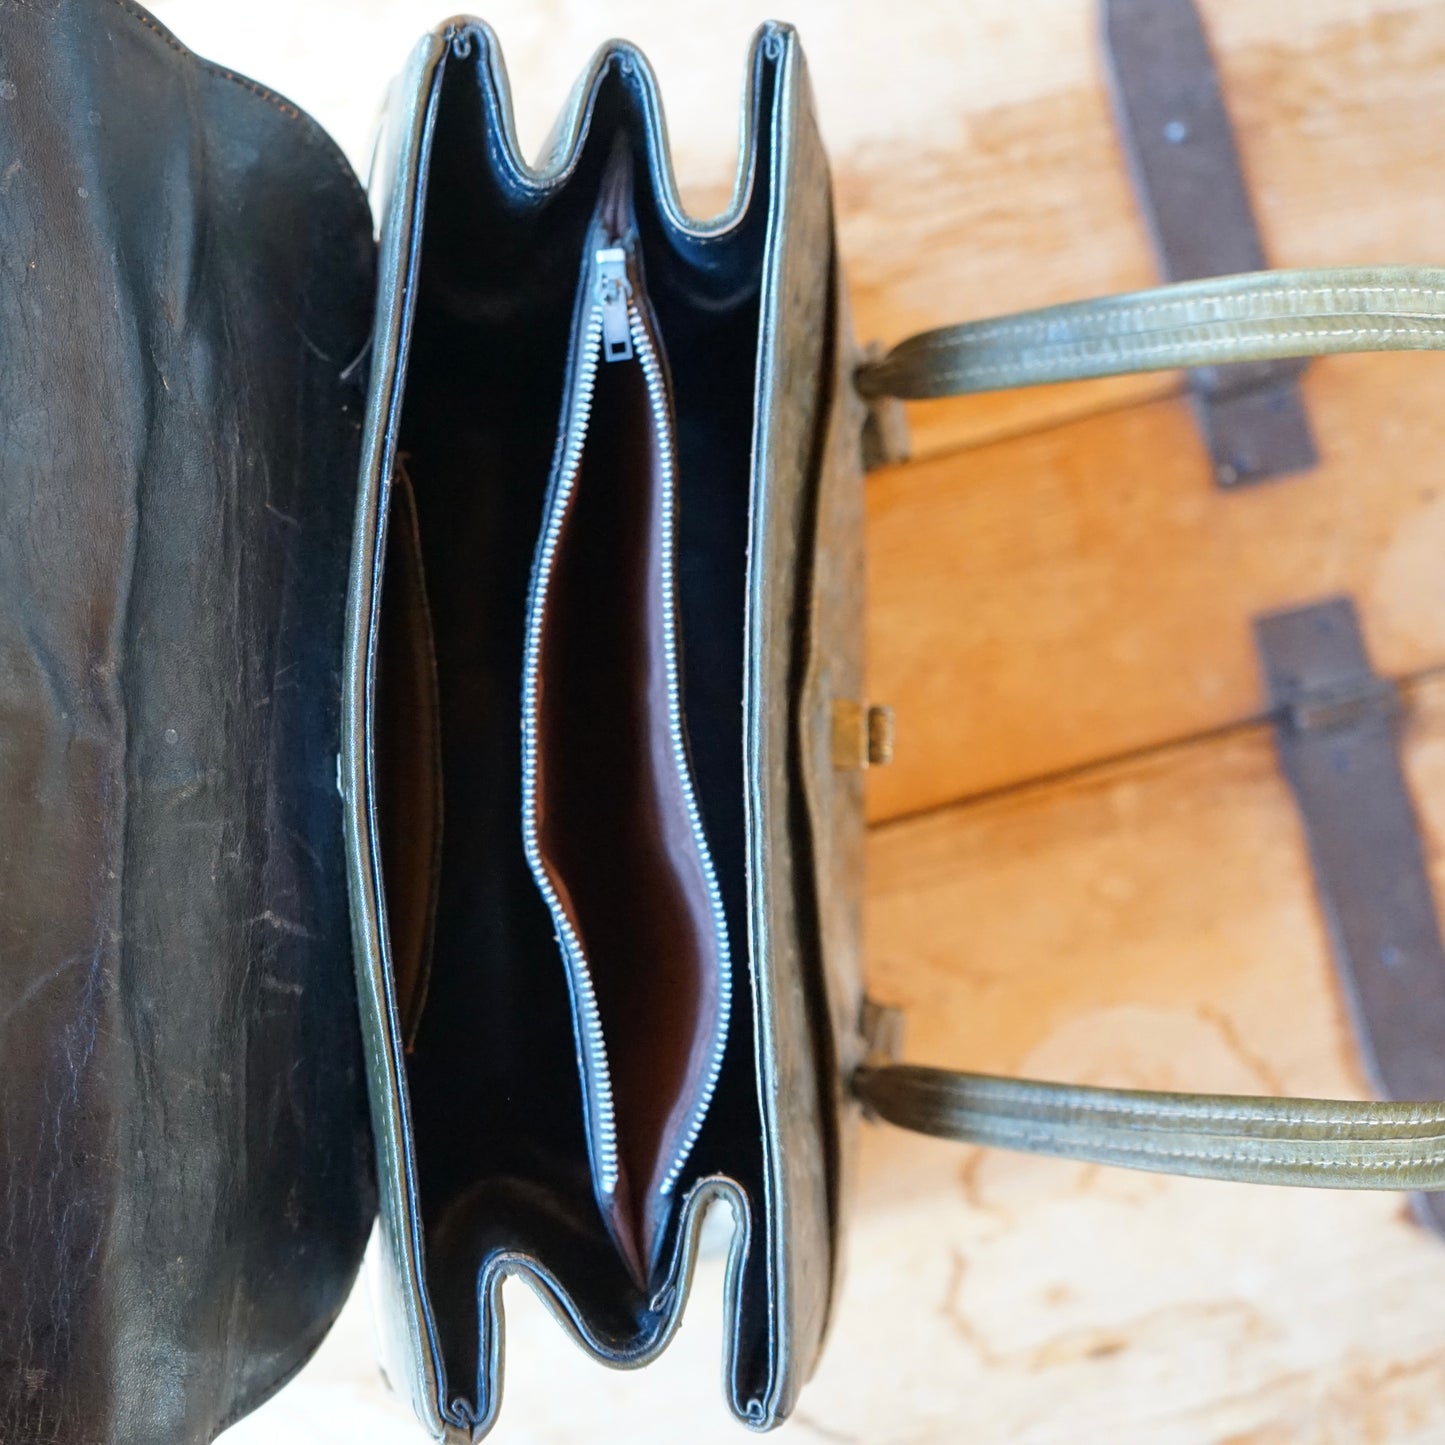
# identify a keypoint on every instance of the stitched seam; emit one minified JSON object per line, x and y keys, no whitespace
{"x":1197,"y":333}
{"x":1120,"y":310}
{"x":1143,"y":1114}
{"x":293,"y":112}
{"x":1200,"y":332}
{"x":1241,"y":307}
{"x":1146,"y":1111}
{"x":1206,"y":1156}
{"x":1139,"y":320}
{"x":1063,"y":353}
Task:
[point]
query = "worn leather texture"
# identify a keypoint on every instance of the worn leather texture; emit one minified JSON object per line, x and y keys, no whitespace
{"x":210,"y":730}
{"x":186,"y":1185}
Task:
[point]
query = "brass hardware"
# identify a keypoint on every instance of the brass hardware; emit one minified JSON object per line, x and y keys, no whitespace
{"x":862,"y":736}
{"x":880,"y":736}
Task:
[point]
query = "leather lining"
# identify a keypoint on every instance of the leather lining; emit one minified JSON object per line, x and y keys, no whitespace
{"x":614,"y":831}
{"x":408,"y":734}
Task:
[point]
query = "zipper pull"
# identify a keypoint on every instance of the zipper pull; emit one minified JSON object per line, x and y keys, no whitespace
{"x":613,"y":289}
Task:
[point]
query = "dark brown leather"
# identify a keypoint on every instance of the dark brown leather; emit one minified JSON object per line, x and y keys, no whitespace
{"x":409,"y":794}
{"x":185,"y":1171}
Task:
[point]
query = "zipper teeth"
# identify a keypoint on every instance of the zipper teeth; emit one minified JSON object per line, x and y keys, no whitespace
{"x":657,"y":397}
{"x":596,"y":1073}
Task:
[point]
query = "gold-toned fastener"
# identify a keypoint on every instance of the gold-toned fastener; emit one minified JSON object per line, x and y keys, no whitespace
{"x":880,"y":736}
{"x":862,"y":735}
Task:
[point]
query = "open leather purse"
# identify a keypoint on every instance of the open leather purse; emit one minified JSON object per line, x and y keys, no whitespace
{"x":601,"y":726}
{"x":605,"y":727}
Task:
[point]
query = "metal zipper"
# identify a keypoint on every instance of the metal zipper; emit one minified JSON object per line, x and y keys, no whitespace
{"x":614,"y":297}
{"x":615,"y":330}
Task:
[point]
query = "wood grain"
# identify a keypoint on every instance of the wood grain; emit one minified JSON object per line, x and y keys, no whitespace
{"x":1148,"y":924}
{"x":1086,"y":591}
{"x":1028,"y":203}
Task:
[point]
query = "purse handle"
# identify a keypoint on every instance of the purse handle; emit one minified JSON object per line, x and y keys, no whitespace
{"x":1261,"y":316}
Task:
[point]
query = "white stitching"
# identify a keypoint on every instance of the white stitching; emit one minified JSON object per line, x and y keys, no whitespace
{"x":1123,"y":352}
{"x":1367,"y":1116}
{"x":1244,"y":304}
{"x":1292,"y":1162}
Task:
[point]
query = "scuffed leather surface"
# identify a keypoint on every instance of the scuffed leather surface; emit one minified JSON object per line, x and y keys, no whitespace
{"x":800,"y":843}
{"x":185,"y":1175}
{"x":833,"y":672}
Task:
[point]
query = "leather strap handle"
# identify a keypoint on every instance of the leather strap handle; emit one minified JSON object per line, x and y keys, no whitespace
{"x":1329,"y":1144}
{"x":1260,"y":316}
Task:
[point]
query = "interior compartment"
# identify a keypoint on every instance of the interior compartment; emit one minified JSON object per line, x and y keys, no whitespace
{"x":610,"y":816}
{"x":409,"y":794}
{"x":495,"y":1099}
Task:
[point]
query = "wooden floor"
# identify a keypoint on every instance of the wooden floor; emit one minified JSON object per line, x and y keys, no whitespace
{"x":1084,"y":864}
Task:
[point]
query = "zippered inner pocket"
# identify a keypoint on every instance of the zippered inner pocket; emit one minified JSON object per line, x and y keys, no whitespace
{"x":612,"y":829}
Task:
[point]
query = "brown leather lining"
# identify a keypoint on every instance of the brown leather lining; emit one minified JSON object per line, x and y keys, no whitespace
{"x":613,"y":825}
{"x":408,"y":787}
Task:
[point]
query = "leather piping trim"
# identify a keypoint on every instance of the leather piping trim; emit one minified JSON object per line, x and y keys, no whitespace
{"x":1256,"y":316}
{"x":1322,"y":1143}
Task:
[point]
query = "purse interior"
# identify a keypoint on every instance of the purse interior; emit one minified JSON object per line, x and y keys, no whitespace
{"x":613,"y":829}
{"x":499,"y":1110}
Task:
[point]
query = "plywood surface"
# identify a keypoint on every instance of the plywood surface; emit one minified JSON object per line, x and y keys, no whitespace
{"x":1053,"y":583}
{"x":1087,"y":590}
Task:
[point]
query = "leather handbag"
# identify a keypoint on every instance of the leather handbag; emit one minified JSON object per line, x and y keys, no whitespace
{"x":604,"y":722}
{"x":582,"y":735}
